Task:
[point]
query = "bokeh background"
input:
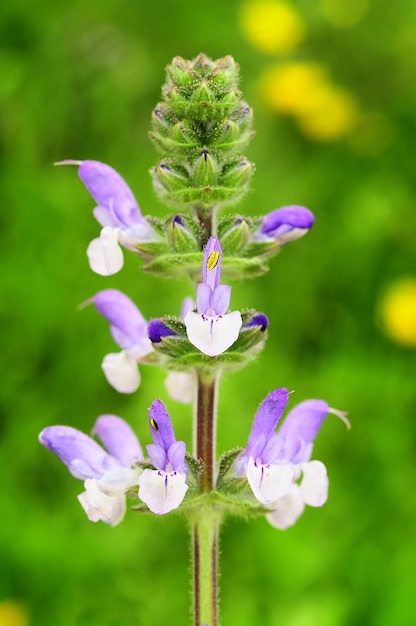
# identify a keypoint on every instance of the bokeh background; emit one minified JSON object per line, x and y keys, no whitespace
{"x":332,"y":84}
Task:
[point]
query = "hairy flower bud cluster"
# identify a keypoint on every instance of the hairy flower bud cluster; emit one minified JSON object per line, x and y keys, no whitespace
{"x":202,"y":127}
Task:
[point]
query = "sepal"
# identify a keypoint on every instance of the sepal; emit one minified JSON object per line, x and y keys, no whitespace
{"x":195,"y":467}
{"x":174,"y":186}
{"x":253,"y":333}
{"x":235,"y":267}
{"x":232,"y":503}
{"x":172,"y":136}
{"x":237,"y":174}
{"x":226,"y":463}
{"x":183,"y":234}
{"x":205,"y":171}
{"x":169,"y":178}
{"x":175,"y":265}
{"x":234,"y":233}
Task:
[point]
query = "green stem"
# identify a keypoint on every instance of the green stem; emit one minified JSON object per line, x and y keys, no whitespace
{"x":205,"y":522}
{"x":205,"y":529}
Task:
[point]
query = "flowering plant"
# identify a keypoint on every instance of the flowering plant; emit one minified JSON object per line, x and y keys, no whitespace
{"x":201,"y":127}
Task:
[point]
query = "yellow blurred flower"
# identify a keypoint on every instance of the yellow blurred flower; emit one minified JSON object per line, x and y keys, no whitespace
{"x":398,"y":312}
{"x":13,"y":613}
{"x":272,"y":27}
{"x":291,"y":87}
{"x":304,"y":91}
{"x":334,"y":116}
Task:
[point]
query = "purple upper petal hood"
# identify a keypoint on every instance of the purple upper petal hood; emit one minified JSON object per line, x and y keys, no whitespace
{"x":119,"y":439}
{"x":161,"y":427}
{"x":81,"y":454}
{"x":300,"y":428}
{"x":110,"y":192}
{"x":165,"y":448}
{"x":128,"y":326}
{"x":265,"y":421}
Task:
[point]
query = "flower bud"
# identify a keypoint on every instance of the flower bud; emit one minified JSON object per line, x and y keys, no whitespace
{"x":235,"y":236}
{"x":285,"y":224}
{"x":205,"y":171}
{"x":160,"y":121}
{"x":181,"y":237}
{"x":257,"y":320}
{"x":225,"y":72}
{"x":253,"y":332}
{"x":156,"y":330}
{"x":169,"y":178}
{"x":237,"y":174}
{"x":180,"y":72}
{"x":202,"y":64}
{"x":185,"y":136}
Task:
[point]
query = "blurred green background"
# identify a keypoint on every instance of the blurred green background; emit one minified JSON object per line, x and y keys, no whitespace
{"x":79,"y":80}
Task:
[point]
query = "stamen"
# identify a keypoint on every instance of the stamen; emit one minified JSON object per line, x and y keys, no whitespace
{"x":213,"y":259}
{"x":153,"y":424}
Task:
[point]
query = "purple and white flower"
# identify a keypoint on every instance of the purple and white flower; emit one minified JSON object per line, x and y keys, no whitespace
{"x":275,"y":462}
{"x":129,"y":330}
{"x":108,"y":474}
{"x":118,"y":213}
{"x":269,"y":479}
{"x":285,"y":224}
{"x":163,"y":488}
{"x":212,"y":330}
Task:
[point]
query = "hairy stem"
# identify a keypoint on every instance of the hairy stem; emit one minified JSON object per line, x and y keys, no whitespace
{"x":205,"y":521}
{"x":206,"y":218}
{"x":205,"y":431}
{"x":205,"y":529}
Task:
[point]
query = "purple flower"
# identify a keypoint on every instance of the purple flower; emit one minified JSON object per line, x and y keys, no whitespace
{"x":118,"y":213}
{"x":156,"y":330}
{"x":129,"y":330}
{"x":268,"y":478}
{"x":285,"y":224}
{"x":259,"y":320}
{"x":273,"y":462}
{"x":107,"y":474}
{"x":212,"y":330}
{"x":163,"y":488}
